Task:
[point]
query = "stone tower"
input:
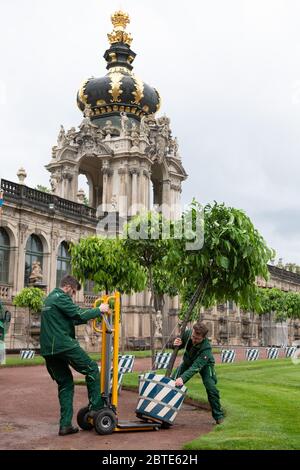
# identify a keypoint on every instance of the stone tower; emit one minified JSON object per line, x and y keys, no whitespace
{"x":128,"y":155}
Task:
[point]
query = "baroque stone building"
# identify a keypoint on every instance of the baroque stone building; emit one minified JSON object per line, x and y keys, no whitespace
{"x":131,"y":162}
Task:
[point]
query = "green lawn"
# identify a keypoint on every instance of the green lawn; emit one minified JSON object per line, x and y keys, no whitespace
{"x":262,"y":403}
{"x":261,"y":400}
{"x":14,"y":360}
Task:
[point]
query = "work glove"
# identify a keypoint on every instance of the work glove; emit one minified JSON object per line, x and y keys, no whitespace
{"x":104,"y":308}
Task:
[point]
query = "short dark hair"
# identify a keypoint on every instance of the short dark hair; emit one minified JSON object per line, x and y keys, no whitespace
{"x":70,"y":281}
{"x":200,"y":329}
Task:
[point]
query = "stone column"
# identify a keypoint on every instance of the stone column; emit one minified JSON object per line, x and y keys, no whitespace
{"x":175,"y":200}
{"x":123,"y":197}
{"x":134,"y":190}
{"x":55,"y":242}
{"x":166,"y":198}
{"x":145,"y":200}
{"x":69,"y":183}
{"x":106,"y":194}
{"x":19,"y":278}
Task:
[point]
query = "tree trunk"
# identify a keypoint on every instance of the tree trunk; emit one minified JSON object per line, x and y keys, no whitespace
{"x":122,"y":329}
{"x":29,"y":328}
{"x":187,"y":318}
{"x":151,"y":319}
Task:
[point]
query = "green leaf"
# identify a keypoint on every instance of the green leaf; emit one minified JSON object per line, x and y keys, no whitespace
{"x":223,"y":261}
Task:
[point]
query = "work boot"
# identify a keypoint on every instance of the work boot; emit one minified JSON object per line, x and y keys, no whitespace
{"x":219,"y":421}
{"x":64,"y":430}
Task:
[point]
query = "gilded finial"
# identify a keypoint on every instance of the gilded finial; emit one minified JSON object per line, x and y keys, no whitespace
{"x":120,"y":20}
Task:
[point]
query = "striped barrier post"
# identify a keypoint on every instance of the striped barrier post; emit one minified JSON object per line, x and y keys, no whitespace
{"x":252,"y":354}
{"x":272,"y":353}
{"x":162,"y":360}
{"x":2,"y":353}
{"x":126,"y":363}
{"x":120,"y":378}
{"x":27,"y":354}
{"x":159,"y":398}
{"x":290,"y":351}
{"x":227,"y":355}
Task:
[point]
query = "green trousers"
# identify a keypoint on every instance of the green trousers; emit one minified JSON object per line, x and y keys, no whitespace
{"x":209,"y":379}
{"x":59,"y":370}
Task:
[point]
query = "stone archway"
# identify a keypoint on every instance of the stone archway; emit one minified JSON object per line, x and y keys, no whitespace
{"x":160,"y":184}
{"x":91,"y":167}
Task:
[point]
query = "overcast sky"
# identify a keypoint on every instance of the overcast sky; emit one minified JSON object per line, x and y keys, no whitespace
{"x":228,"y":72}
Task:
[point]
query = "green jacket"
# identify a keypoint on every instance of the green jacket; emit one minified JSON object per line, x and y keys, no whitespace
{"x":195,"y":357}
{"x":58,"y":320}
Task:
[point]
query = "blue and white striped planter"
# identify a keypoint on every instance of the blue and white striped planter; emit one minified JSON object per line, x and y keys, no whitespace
{"x":252,"y":354}
{"x":272,"y":353}
{"x":162,"y":360}
{"x":290,"y":351}
{"x":27,"y":354}
{"x":227,"y":355}
{"x":159,"y":398}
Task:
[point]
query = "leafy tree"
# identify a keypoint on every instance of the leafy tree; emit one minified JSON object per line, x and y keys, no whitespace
{"x":226,"y":267}
{"x":102,"y":260}
{"x":146,"y":244}
{"x":30,"y":297}
{"x":163,"y":283}
{"x":282,"y":304}
{"x":42,"y":188}
{"x":86,"y":200}
{"x":292,"y":304}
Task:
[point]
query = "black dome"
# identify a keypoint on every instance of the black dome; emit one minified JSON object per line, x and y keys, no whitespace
{"x":119,"y":90}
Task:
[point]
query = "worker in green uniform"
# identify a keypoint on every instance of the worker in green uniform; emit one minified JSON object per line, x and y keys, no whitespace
{"x":198,"y":357}
{"x":60,"y":349}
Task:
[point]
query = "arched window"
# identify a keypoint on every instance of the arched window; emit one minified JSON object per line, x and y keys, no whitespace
{"x":63,"y":265}
{"x":34,"y":252}
{"x":4,"y":256}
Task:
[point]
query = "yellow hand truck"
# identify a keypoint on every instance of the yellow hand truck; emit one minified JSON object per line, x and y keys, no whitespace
{"x":106,"y":421}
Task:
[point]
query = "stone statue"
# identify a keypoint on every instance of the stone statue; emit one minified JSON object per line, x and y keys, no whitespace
{"x":124,"y":124}
{"x":54,"y":151}
{"x":109,"y":130}
{"x":61,"y":139}
{"x":144,"y":128}
{"x":161,"y":147}
{"x":134,"y":134}
{"x":176,"y":147}
{"x":36,"y":275}
{"x":151,"y":121}
{"x":53,"y":184}
{"x":173,"y":147}
{"x":70,"y":136}
{"x":158,"y":324}
{"x":164,"y":127}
